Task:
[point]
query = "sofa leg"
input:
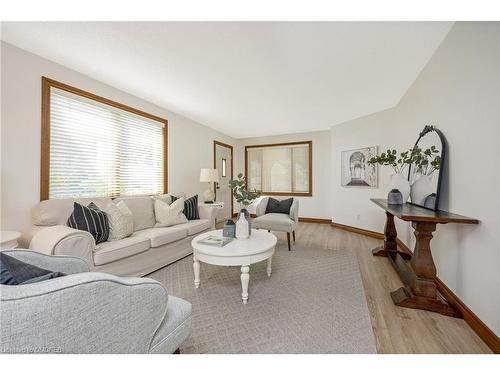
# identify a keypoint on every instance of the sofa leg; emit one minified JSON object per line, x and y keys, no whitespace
{"x":177,"y":351}
{"x":293,"y":236}
{"x":288,"y":238}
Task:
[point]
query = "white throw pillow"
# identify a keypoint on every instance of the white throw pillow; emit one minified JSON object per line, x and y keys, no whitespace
{"x":121,"y":220}
{"x":169,"y":214}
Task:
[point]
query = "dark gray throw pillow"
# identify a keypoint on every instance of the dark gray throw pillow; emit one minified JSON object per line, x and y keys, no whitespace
{"x":16,"y":272}
{"x":275,"y":206}
{"x":90,"y":219}
{"x":191,"y":208}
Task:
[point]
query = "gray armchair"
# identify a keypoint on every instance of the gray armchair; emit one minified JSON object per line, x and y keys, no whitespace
{"x":277,"y":222}
{"x":89,"y":312}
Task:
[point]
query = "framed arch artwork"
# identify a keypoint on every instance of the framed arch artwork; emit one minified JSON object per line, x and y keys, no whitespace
{"x":355,"y":171}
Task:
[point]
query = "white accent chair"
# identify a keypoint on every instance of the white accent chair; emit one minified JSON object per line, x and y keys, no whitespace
{"x":277,"y":222}
{"x":89,"y":312}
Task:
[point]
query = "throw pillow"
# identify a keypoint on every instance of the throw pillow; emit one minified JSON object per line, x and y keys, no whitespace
{"x":279,"y":207}
{"x":191,"y":208}
{"x":121,"y":220}
{"x":16,"y":272}
{"x":169,"y":214}
{"x":90,"y":219}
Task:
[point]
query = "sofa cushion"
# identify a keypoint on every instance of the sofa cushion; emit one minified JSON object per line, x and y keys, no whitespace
{"x":57,"y":211}
{"x":169,"y":214}
{"x":277,"y":222}
{"x":279,"y":207}
{"x":14,"y":272}
{"x":121,"y":220}
{"x":90,"y":219}
{"x":114,"y":250}
{"x":169,"y":198}
{"x":191,"y":208}
{"x":162,"y":236}
{"x":175,"y":327}
{"x":142,"y":209}
{"x":195,"y":226}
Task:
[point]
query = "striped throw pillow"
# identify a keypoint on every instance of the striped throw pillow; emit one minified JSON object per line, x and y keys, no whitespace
{"x":191,"y":208}
{"x":90,"y":219}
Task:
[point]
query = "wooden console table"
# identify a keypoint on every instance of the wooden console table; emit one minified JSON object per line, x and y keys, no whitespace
{"x":419,"y":291}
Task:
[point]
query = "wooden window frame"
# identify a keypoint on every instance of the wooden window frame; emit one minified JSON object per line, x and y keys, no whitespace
{"x":47,"y":84}
{"x":288,"y":194}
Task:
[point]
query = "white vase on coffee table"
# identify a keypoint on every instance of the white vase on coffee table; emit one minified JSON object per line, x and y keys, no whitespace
{"x":242,"y":231}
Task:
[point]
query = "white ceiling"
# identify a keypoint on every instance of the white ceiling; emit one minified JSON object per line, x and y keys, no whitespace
{"x":245,"y":78}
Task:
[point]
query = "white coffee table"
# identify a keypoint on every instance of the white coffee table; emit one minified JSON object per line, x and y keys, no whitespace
{"x":258,"y":247}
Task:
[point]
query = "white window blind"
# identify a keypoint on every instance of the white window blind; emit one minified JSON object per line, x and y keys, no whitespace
{"x":279,"y":169}
{"x":99,"y":150}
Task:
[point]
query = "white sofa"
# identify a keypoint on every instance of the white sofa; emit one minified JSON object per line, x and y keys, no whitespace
{"x":145,"y":251}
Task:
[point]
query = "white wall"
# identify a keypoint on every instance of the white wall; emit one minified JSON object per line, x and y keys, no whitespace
{"x":190,"y":143}
{"x":318,"y":205}
{"x":459,"y":92}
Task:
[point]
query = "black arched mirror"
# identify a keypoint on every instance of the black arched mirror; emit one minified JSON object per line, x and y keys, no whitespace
{"x":425,"y":172}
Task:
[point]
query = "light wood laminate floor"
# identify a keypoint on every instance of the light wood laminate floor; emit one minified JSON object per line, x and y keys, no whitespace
{"x":396,"y":329}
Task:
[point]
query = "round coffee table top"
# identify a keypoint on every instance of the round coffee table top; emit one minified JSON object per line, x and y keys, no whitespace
{"x":260,"y":241}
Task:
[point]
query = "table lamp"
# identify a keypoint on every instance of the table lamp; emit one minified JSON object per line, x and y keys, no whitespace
{"x":210,"y":176}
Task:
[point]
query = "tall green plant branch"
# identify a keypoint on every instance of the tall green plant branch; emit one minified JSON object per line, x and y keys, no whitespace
{"x":425,"y":161}
{"x":242,"y":195}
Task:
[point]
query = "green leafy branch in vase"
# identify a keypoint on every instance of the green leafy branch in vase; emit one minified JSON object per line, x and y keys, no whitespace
{"x":391,"y":158}
{"x":240,"y":192}
{"x":426,"y":161}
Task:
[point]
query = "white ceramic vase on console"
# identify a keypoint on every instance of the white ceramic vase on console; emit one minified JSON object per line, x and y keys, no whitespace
{"x":421,"y":189}
{"x":401,"y":183}
{"x":242,"y":227}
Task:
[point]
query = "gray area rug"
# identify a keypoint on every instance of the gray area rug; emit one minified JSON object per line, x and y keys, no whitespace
{"x":314,"y":302}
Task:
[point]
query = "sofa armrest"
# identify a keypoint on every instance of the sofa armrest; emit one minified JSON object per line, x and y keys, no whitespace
{"x":65,"y":264}
{"x":208,"y":212}
{"x":82,"y":313}
{"x":63,"y":240}
{"x":261,"y":207}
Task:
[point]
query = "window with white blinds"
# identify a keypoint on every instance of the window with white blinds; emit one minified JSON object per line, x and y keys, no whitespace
{"x":98,"y":150}
{"x":280,"y":169}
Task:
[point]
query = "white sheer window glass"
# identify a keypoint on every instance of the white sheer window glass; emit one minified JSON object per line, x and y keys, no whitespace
{"x":300,"y":160}
{"x":281,"y":169}
{"x":276,"y":170}
{"x":254,"y":178}
{"x":99,"y":150}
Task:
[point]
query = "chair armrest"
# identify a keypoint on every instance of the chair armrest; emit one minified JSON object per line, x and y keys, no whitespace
{"x":261,"y":207}
{"x":65,"y":264}
{"x":294,"y":210}
{"x":82,"y":313}
{"x":63,"y":240}
{"x":208,"y":212}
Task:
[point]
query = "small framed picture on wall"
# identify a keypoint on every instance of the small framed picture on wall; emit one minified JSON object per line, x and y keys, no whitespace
{"x":355,"y":171}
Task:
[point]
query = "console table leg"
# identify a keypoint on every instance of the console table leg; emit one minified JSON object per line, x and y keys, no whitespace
{"x":390,"y":235}
{"x":390,"y":245}
{"x":421,"y":293}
